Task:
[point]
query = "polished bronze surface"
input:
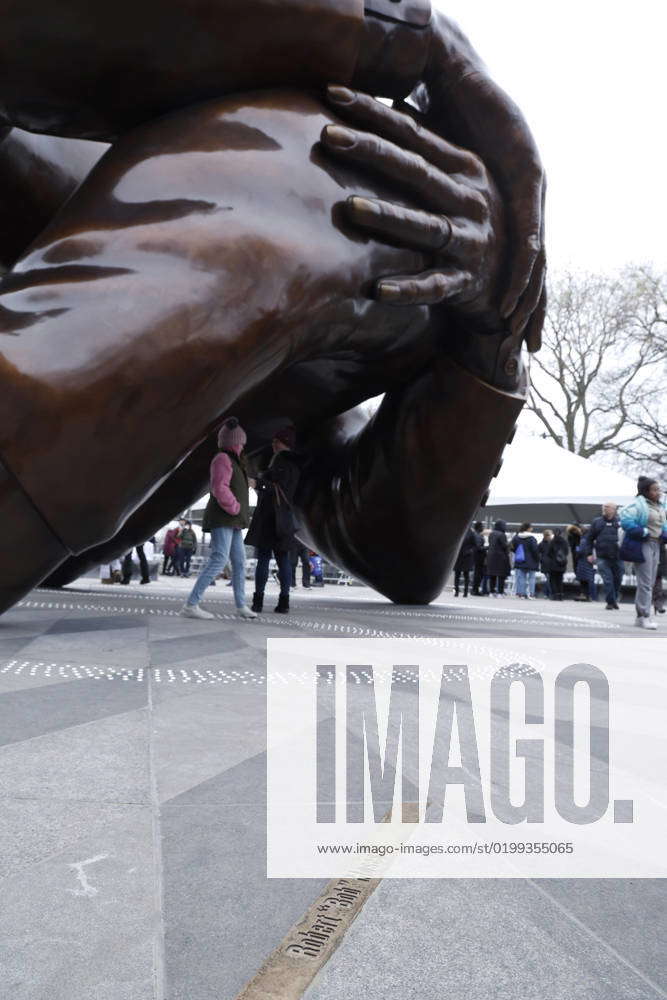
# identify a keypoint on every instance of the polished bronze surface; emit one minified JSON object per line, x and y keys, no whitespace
{"x":261,"y":251}
{"x":38,"y":175}
{"x":92,"y":70}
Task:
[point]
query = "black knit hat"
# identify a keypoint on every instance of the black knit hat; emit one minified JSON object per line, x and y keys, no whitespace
{"x":287,"y":435}
{"x":644,"y":483}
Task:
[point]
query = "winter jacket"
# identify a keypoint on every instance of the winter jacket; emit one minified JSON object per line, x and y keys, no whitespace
{"x":601,"y":539}
{"x":585,"y":571}
{"x":574,"y":534}
{"x":480,"y":552}
{"x":556,"y":554}
{"x":531,"y":556}
{"x":170,"y":541}
{"x":284,"y":470}
{"x":635,"y":516}
{"x":465,"y":560}
{"x":545,"y":559}
{"x":498,"y":559}
{"x":187,"y":540}
{"x":228,"y":505}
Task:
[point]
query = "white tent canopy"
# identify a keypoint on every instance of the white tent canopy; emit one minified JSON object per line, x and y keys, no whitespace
{"x":544,"y":484}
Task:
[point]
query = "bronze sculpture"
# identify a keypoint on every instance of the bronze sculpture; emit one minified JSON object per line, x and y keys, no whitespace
{"x":243,"y":252}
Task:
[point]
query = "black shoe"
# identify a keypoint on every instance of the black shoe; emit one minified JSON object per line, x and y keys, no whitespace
{"x":660,"y":611}
{"x":610,"y":607}
{"x":282,"y":607}
{"x":145,"y":581}
{"x":257,"y":603}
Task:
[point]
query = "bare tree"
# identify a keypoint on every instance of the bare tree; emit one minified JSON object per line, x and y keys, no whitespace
{"x":598,"y":380}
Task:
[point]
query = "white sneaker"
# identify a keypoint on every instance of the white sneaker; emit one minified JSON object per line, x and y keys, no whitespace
{"x":194,"y":611}
{"x":646,"y":623}
{"x":245,"y":612}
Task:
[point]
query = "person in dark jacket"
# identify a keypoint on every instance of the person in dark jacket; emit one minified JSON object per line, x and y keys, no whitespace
{"x":498,"y":559}
{"x":545,"y":561}
{"x":526,"y":561}
{"x":574,"y":534}
{"x":226,"y":516}
{"x":479,"y":578}
{"x":585,"y":574}
{"x":272,"y":527}
{"x":601,"y":545}
{"x":465,"y":562}
{"x":169,"y":550}
{"x":556,"y":559}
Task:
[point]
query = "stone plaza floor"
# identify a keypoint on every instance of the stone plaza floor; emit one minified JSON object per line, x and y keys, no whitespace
{"x":132,"y":829}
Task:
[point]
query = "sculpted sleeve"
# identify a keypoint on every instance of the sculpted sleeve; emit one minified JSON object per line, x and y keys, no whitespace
{"x":92,"y":70}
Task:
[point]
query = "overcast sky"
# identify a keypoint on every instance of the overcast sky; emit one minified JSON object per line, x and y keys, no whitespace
{"x":590,"y":78}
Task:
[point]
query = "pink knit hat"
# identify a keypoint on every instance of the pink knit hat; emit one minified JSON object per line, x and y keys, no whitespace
{"x":231,"y":435}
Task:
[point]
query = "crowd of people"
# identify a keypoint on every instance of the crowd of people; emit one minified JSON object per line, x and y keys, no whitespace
{"x":486,"y":561}
{"x":636,"y":536}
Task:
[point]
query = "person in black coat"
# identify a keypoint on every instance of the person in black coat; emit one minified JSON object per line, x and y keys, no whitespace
{"x":574,"y":535}
{"x":545,"y":562}
{"x":272,"y":527}
{"x":556,"y":559}
{"x":526,"y":561}
{"x":479,"y":578}
{"x":465,"y":561}
{"x":498,"y":559}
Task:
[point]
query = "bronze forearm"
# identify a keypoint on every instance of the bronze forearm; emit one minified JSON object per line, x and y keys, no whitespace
{"x":391,"y":500}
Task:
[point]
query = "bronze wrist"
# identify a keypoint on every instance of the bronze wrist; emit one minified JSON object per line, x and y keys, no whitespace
{"x":394,"y":47}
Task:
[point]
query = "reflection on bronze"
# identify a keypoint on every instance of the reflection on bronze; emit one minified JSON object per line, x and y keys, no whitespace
{"x":225,"y":256}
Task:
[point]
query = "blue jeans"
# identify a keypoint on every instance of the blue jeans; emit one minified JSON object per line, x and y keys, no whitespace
{"x":611,"y":571}
{"x":226,"y":545}
{"x":525,"y":582}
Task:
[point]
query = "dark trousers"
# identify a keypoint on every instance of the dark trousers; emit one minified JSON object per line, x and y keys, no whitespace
{"x":466,"y":580}
{"x":498,"y":581}
{"x":262,"y":570}
{"x":478,"y":578}
{"x":589,"y":589}
{"x":658,"y":592}
{"x":300,"y":552}
{"x":143,"y":566}
{"x":556,"y":584}
{"x":182,"y":559}
{"x":611,"y":571}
